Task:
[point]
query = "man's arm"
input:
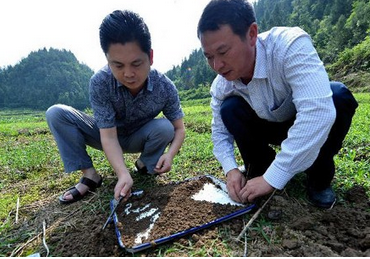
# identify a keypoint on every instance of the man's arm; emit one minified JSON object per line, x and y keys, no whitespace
{"x":223,"y":141}
{"x":312,"y":96}
{"x":165,"y":161}
{"x":223,"y":149}
{"x":114,"y":155}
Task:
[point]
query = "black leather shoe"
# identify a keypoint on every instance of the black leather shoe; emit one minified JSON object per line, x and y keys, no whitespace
{"x":142,"y":170}
{"x":323,"y":199}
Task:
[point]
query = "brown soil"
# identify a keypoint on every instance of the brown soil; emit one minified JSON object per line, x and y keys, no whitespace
{"x":176,"y":211}
{"x":286,"y":227}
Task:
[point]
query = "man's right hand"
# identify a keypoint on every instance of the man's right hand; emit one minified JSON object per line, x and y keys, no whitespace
{"x":123,"y":186}
{"x":235,"y":182}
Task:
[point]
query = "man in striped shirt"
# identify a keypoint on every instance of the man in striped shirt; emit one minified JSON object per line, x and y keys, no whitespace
{"x":271,"y":89}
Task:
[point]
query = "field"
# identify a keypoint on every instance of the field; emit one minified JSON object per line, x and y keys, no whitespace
{"x":32,"y":220}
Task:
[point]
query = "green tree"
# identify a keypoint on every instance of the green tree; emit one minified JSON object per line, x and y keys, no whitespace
{"x":44,"y":78}
{"x":192,"y":72}
{"x":359,"y":22}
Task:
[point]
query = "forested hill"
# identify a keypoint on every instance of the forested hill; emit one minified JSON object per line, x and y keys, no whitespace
{"x":333,"y":24}
{"x":44,"y":78}
{"x":193,"y":72}
{"x":339,"y":29}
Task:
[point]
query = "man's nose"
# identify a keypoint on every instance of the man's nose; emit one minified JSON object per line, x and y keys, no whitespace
{"x":218,"y":64}
{"x":128,"y":72}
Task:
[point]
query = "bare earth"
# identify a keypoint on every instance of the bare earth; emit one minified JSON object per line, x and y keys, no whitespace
{"x":175,"y":209}
{"x":286,"y":227}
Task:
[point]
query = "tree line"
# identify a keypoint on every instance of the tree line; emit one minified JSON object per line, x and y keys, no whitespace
{"x":339,"y":30}
{"x":334,"y":25}
{"x":44,"y":78}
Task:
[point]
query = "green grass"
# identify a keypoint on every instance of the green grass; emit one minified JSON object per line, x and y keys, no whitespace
{"x":353,"y":161}
{"x":30,"y":167}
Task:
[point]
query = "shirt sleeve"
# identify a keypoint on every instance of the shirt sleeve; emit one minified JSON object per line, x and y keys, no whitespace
{"x":312,"y":97}
{"x":103,"y":110}
{"x":223,"y":141}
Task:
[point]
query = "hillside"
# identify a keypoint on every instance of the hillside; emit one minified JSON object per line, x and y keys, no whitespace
{"x":44,"y":78}
{"x":339,"y":30}
{"x":353,"y":67}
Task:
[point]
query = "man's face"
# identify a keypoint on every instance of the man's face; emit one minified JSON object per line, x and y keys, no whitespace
{"x":229,"y":55}
{"x":129,"y":65}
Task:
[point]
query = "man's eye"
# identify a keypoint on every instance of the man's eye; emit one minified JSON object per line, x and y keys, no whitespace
{"x":222,"y":52}
{"x":117,"y":65}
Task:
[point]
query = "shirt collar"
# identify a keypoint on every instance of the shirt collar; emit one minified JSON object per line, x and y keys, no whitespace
{"x":261,"y":62}
{"x":260,"y":66}
{"x":149,"y":84}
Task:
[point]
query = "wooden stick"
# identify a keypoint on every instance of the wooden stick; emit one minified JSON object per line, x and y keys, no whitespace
{"x":44,"y":238}
{"x":21,"y":247}
{"x":16,"y":214}
{"x":255,"y":216}
{"x":245,"y":244}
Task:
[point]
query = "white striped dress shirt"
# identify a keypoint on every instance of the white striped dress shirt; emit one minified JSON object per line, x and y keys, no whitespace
{"x":289,"y":78}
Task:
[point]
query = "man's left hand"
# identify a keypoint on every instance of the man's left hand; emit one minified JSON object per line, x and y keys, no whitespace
{"x":164,"y":164}
{"x":254,"y":188}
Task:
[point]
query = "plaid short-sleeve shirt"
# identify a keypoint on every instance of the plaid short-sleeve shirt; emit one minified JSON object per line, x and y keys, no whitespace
{"x":114,"y":106}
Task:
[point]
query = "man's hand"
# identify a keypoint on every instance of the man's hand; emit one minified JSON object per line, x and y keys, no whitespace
{"x":123,"y":186}
{"x":113,"y":151}
{"x":254,"y":188}
{"x":164,"y":164}
{"x":235,"y":183}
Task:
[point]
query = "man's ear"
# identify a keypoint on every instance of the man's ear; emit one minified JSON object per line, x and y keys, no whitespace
{"x":252,"y":33}
{"x":151,"y":57}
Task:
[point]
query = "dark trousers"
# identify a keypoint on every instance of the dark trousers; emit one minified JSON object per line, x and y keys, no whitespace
{"x":254,"y":136}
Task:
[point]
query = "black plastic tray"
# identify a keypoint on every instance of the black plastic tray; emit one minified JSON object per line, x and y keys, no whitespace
{"x":185,"y":232}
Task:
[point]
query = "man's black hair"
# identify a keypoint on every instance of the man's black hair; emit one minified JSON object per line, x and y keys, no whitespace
{"x":238,"y":14}
{"x":123,"y":27}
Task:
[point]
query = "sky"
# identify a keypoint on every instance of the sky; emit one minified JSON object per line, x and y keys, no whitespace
{"x":30,"y":25}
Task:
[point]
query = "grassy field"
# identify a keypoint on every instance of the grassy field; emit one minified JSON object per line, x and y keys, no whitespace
{"x":31,"y":169}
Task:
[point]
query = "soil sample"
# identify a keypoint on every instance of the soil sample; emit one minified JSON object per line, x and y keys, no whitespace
{"x":172,"y":208}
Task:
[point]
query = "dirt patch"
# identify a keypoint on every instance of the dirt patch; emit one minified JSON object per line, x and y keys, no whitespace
{"x":170,"y":209}
{"x":286,"y":227}
{"x":305,"y":230}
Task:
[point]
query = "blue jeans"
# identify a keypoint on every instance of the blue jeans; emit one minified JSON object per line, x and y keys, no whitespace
{"x":253,"y":135}
{"x":73,"y":130}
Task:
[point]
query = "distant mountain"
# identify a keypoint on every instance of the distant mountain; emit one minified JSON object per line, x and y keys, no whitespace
{"x":44,"y":78}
